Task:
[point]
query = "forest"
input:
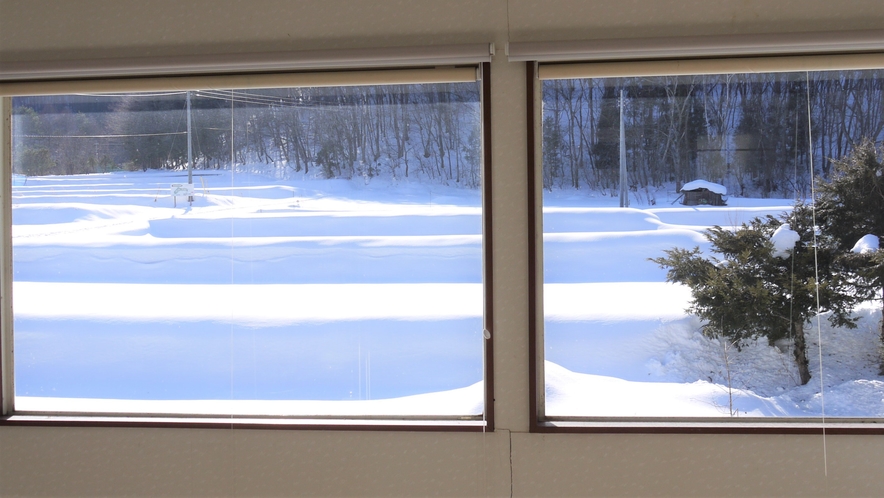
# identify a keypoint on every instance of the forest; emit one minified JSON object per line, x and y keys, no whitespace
{"x":425,"y":132}
{"x":753,"y":133}
{"x":760,"y":135}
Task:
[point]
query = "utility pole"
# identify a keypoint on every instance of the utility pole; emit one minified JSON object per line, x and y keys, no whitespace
{"x":189,"y":154}
{"x":624,"y":192}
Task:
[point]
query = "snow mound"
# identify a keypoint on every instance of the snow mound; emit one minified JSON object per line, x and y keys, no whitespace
{"x":868,"y":243}
{"x":698,"y":184}
{"x":570,"y":393}
{"x":784,"y":240}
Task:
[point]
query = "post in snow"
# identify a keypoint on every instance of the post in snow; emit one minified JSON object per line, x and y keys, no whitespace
{"x":189,"y":153}
{"x":624,"y":192}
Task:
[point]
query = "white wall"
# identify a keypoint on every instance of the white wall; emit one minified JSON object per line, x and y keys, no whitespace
{"x":125,"y":461}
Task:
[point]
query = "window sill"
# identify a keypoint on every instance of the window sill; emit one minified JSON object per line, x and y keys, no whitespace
{"x":352,"y":424}
{"x":718,"y":426}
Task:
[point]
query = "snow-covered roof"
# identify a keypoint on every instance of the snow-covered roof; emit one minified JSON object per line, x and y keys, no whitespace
{"x":698,"y":184}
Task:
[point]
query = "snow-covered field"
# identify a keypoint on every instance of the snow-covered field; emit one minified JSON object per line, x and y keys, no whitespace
{"x":618,"y":343}
{"x":334,"y":297}
{"x":320,"y":297}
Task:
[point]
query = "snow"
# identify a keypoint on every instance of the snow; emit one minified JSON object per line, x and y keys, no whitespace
{"x":867,"y":244}
{"x":283,"y":297}
{"x":698,"y":184}
{"x":305,"y":297}
{"x":618,"y":342}
{"x":456,"y":402}
{"x":784,"y":240}
{"x":674,"y":371}
{"x":246,"y":305}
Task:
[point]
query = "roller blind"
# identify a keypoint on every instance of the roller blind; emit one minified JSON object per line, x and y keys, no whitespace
{"x":748,"y":45}
{"x":442,"y":55}
{"x":248,"y":81}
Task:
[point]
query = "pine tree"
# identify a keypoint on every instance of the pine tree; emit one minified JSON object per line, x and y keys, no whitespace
{"x":851,"y":206}
{"x":747,"y":289}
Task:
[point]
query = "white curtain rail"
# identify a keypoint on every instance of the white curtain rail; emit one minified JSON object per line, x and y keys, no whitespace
{"x":698,"y":46}
{"x":366,"y":58}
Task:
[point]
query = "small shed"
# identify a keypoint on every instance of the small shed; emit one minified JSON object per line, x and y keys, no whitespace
{"x":703,"y":193}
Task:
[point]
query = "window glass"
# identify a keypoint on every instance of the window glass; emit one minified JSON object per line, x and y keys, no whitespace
{"x":700,"y":253}
{"x":284,"y":252}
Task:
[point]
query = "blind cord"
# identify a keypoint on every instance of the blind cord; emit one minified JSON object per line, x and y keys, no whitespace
{"x":817,"y":278}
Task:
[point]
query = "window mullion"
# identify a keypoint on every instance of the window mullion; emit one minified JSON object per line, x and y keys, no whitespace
{"x":6,"y":381}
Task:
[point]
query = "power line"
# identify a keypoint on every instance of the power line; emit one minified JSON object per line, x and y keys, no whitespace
{"x":248,"y":95}
{"x":255,"y":100}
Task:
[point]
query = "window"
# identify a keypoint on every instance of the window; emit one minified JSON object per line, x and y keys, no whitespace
{"x":640,"y":163}
{"x":309,"y":252}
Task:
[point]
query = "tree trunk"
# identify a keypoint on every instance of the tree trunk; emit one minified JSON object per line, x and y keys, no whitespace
{"x":799,"y":350}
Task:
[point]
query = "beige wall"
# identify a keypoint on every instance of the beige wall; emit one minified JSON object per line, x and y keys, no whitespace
{"x":104,"y":461}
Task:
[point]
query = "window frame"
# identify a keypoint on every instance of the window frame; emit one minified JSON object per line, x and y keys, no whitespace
{"x":658,"y":57}
{"x":355,"y":67}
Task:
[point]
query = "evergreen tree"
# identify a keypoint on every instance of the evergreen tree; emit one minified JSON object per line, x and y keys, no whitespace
{"x":749,"y":289}
{"x":30,"y":156}
{"x":851,"y":206}
{"x":33,"y":162}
